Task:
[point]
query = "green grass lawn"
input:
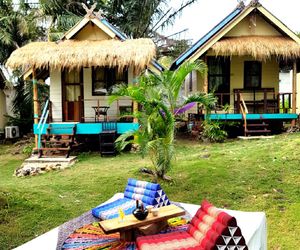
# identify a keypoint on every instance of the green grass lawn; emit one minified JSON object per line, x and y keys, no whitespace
{"x":242,"y":175}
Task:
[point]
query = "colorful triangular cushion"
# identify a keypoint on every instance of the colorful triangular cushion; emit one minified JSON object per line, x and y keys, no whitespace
{"x":210,"y":229}
{"x":218,"y":229}
{"x":149,"y":193}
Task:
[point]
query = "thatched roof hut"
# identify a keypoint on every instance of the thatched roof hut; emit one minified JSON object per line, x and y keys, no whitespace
{"x":260,"y":47}
{"x":71,"y":54}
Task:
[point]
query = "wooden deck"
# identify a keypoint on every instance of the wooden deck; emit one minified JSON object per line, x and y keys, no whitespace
{"x":239,"y":117}
{"x":86,"y":128}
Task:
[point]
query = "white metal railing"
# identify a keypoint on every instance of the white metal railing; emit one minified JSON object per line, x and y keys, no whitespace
{"x":42,"y":122}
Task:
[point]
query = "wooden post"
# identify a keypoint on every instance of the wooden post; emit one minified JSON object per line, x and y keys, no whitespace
{"x":135,"y":109}
{"x":278,"y":104}
{"x":294,"y":94}
{"x":238,"y":108}
{"x":265,"y":101}
{"x":36,"y":105}
{"x":205,"y":80}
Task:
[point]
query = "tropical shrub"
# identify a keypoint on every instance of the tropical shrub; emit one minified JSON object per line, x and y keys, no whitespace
{"x":213,"y":131}
{"x":160,"y":100}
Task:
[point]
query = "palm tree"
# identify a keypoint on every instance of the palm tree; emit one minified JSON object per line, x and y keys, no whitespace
{"x":160,"y":99}
{"x":17,"y":27}
{"x":61,"y":15}
{"x":22,"y":104}
{"x":135,"y":18}
{"x":143,"y":18}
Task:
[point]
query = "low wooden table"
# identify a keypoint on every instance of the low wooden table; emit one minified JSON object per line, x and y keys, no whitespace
{"x":128,"y":226}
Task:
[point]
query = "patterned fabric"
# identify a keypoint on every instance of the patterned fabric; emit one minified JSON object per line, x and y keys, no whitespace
{"x":149,"y":193}
{"x":210,"y":229}
{"x":177,"y":240}
{"x":91,"y":237}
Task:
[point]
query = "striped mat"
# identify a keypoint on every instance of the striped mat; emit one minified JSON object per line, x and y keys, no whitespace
{"x":91,"y":237}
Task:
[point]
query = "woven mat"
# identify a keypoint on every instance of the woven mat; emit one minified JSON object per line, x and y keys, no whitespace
{"x":84,"y":232}
{"x":91,"y":237}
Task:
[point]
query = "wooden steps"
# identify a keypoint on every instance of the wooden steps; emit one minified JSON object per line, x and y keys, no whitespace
{"x":59,"y":144}
{"x":258,"y":131}
{"x":55,"y":149}
{"x":257,"y":128}
{"x":257,"y":125}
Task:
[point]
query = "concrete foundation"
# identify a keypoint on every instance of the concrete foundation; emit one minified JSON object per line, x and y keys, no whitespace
{"x":34,"y":165}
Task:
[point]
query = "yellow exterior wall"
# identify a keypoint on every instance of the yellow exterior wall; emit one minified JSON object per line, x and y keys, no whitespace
{"x":92,"y":33}
{"x":270,"y":76}
{"x":246,"y":28}
{"x":2,"y":109}
{"x":200,"y":83}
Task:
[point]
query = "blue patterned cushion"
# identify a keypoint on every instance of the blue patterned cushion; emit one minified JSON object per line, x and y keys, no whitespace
{"x":111,"y":210}
{"x":149,"y":193}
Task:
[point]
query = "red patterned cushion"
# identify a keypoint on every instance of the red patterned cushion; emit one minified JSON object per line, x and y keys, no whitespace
{"x":210,"y":229}
{"x":176,"y":240}
{"x":215,"y":229}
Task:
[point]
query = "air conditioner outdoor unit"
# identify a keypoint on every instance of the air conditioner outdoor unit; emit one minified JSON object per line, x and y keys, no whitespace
{"x":12,"y":132}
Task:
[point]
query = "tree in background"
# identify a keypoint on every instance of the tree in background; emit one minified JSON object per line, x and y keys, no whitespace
{"x":22,"y":105}
{"x":135,"y":18}
{"x":160,"y":100}
{"x":18,"y":26}
{"x":143,"y":18}
{"x":60,"y":16}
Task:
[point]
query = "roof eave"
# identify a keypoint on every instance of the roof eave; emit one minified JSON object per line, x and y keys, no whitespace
{"x":193,"y":50}
{"x":223,"y":24}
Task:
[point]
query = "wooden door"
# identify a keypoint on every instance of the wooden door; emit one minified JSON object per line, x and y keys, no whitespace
{"x":72,"y":95}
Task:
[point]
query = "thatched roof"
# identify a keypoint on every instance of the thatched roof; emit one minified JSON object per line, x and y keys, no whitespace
{"x":71,"y":54}
{"x":260,"y":47}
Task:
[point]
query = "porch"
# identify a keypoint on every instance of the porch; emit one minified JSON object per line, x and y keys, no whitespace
{"x":258,"y":111}
{"x":257,"y":101}
{"x":63,"y":137}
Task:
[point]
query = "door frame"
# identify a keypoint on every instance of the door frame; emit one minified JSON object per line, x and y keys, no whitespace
{"x":63,"y":91}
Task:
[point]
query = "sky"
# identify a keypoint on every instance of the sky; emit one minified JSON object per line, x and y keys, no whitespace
{"x":205,"y":14}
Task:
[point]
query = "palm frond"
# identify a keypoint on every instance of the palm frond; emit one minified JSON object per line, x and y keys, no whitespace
{"x":208,"y":101}
{"x":182,"y":72}
{"x":124,"y":140}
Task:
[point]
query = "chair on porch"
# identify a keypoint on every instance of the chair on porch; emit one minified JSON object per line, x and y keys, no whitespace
{"x":100,"y":111}
{"x":125,"y":112}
